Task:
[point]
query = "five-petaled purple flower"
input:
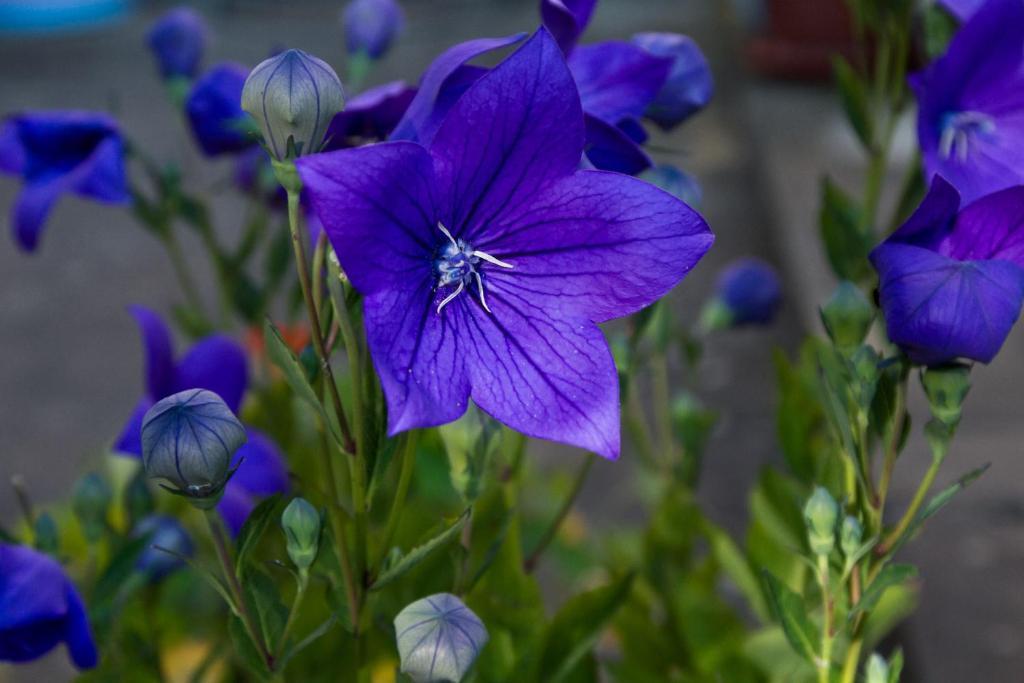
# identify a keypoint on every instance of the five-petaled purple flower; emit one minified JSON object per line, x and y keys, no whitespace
{"x":177,"y":40}
{"x":58,"y":152}
{"x":214,"y":109}
{"x":40,"y":608}
{"x":971,"y":104}
{"x":951,"y":281}
{"x":218,"y":364}
{"x":487,"y":259}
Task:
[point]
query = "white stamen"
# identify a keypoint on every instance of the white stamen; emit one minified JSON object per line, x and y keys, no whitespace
{"x":446,"y":233}
{"x":480,"y":286}
{"x":490,"y":259}
{"x":448,"y":299}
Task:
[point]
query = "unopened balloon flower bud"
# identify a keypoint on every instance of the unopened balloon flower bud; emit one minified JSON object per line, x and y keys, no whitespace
{"x":91,"y":500}
{"x":946,"y":387}
{"x":301,"y":524}
{"x":371,"y":26}
{"x":847,"y":316}
{"x":177,"y":40}
{"x":188,"y":440}
{"x":293,"y":96}
{"x":821,"y":513}
{"x":438,"y":638}
{"x":850,"y":536}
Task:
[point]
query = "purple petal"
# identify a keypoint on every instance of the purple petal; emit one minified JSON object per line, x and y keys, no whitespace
{"x":933,"y":219}
{"x":130,"y":440}
{"x":12,"y":153}
{"x":689,"y":85}
{"x":508,"y":137}
{"x":77,"y":632}
{"x":262,"y":471}
{"x":218,"y":364}
{"x":962,"y":9}
{"x":102,"y":176}
{"x":376,"y":204}
{"x":371,"y":26}
{"x":991,"y":228}
{"x":938,"y":309}
{"x":370,"y":115}
{"x":597,"y":246}
{"x":422,"y":118}
{"x":31,"y":209}
{"x":617,"y":80}
{"x":235,"y":506}
{"x":214,"y":109}
{"x":566,"y":20}
{"x":159,"y":350}
{"x":177,"y":39}
{"x":609,"y":148}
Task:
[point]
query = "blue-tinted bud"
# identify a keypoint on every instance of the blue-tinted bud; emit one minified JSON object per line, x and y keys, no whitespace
{"x":90,"y":501}
{"x":167,"y":533}
{"x":371,"y":26}
{"x":177,"y":40}
{"x":188,"y":440}
{"x":301,"y":524}
{"x":676,"y":182}
{"x":748,"y":293}
{"x":689,"y":85}
{"x":847,"y":316}
{"x":293,"y":96}
{"x":821,"y":513}
{"x":438,"y":638}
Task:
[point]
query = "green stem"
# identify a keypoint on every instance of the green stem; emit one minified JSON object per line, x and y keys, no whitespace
{"x":319,"y":253}
{"x":300,"y":592}
{"x":220,"y":543}
{"x":334,"y":512}
{"x":662,"y":405}
{"x":892,"y":448}
{"x":849,"y":674}
{"x":182,"y":272}
{"x":552,"y":531}
{"x":825,"y":664}
{"x":915,"y":505}
{"x":408,"y":457}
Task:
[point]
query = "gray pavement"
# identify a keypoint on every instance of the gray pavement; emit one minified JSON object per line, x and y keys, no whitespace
{"x":72,"y":365}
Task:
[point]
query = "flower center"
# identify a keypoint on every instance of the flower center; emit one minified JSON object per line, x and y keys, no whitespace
{"x":958,"y":130}
{"x":458,"y":264}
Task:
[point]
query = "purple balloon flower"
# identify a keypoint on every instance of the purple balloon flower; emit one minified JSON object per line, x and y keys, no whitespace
{"x":971,"y":104}
{"x":951,"y":282}
{"x":487,"y":259}
{"x":261,"y":472}
{"x":369,"y":116}
{"x":567,"y":20}
{"x":371,"y":26}
{"x":177,"y":40}
{"x":750,"y":292}
{"x":39,"y":608}
{"x":60,"y":152}
{"x":689,"y":86}
{"x":214,"y":108}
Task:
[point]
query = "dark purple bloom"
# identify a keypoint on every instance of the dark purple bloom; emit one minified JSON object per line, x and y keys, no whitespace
{"x":567,"y":20}
{"x":971,"y":104}
{"x":487,"y":259}
{"x":60,"y":152}
{"x":951,"y":281}
{"x":167,"y":533}
{"x":962,"y":9}
{"x":39,"y":608}
{"x":177,"y":40}
{"x":371,"y":26}
{"x":689,"y":86}
{"x":370,"y":116}
{"x":750,"y":292}
{"x":261,"y":472}
{"x":214,"y":109}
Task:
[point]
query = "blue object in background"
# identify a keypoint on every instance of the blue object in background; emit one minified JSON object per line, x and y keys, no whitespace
{"x":47,"y":16}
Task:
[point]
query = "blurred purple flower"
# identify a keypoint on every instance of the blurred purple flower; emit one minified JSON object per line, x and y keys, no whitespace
{"x":487,"y":260}
{"x":39,"y":608}
{"x":371,"y":26}
{"x":370,"y":116}
{"x":951,"y":281}
{"x":167,"y":533}
{"x":749,"y":292}
{"x":214,"y":108}
{"x":689,"y":86}
{"x":177,"y":40}
{"x":58,"y":152}
{"x":262,"y":472}
{"x":971,"y":104}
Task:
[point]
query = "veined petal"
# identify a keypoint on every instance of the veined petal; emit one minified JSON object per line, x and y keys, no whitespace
{"x":597,"y":245}
{"x":567,"y":20}
{"x":377,"y":205}
{"x":159,"y":350}
{"x":370,"y":115}
{"x":423,"y":117}
{"x":991,"y":228}
{"x":516,"y":130}
{"x":218,"y":364}
{"x":610,"y":148}
{"x":617,"y":79}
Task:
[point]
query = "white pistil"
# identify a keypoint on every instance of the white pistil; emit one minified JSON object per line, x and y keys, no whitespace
{"x":451,"y":297}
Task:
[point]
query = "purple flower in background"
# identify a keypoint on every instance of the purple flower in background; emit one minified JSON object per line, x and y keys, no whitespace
{"x":39,"y":608}
{"x":167,"y":533}
{"x":370,"y":116}
{"x":487,"y":259}
{"x":214,"y":108}
{"x":962,"y":9}
{"x":254,"y":175}
{"x":971,"y":104}
{"x":371,"y":26}
{"x":177,"y":40}
{"x":60,"y":152}
{"x":566,"y":20}
{"x":689,"y":86}
{"x":676,"y":182}
{"x":951,"y":281}
{"x":747,"y":293}
{"x":262,"y":472}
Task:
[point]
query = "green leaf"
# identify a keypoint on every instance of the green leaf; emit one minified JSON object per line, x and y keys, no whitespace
{"x":6,"y":536}
{"x":891,"y":575}
{"x":939,"y":27}
{"x":115,"y":583}
{"x":253,"y":529}
{"x":791,"y":613}
{"x":281,"y":356}
{"x":737,"y":567}
{"x":847,"y":244}
{"x":937,"y":502}
{"x":853,"y":92}
{"x":246,"y":650}
{"x":571,"y":635}
{"x":262,"y":592}
{"x":313,"y":636}
{"x":420,"y":553}
{"x":896,"y":666}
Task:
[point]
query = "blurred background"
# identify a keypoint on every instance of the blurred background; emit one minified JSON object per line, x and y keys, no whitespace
{"x":71,"y":367}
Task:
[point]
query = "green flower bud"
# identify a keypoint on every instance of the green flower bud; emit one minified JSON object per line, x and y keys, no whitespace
{"x":850,"y":536}
{"x":301,"y":524}
{"x":293,"y":96}
{"x":946,"y":387}
{"x":877,"y":670}
{"x":90,"y":500}
{"x":47,"y":534}
{"x":821,"y":515}
{"x":847,"y":316}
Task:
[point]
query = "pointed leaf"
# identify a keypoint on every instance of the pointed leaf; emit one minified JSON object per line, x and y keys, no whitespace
{"x":891,"y":575}
{"x":791,"y":613}
{"x":854,"y":95}
{"x":938,"y":501}
{"x":420,"y":553}
{"x":253,"y":529}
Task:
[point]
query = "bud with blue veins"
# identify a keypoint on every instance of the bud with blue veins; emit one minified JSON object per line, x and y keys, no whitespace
{"x":293,"y":96}
{"x":301,"y":524}
{"x":438,"y":638}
